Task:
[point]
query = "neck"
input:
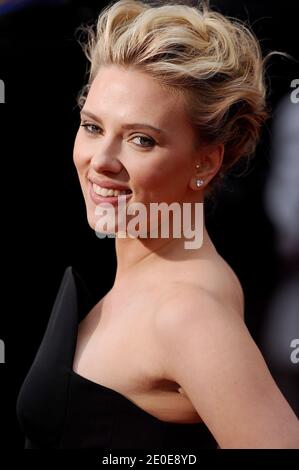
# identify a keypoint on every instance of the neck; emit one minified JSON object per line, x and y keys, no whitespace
{"x":134,"y":254}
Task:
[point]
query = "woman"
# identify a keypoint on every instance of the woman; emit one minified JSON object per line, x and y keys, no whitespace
{"x":175,"y":97}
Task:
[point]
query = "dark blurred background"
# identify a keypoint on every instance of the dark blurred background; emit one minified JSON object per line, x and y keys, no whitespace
{"x":44,"y":225}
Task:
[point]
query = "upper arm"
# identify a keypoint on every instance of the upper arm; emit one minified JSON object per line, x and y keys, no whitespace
{"x":207,"y":349}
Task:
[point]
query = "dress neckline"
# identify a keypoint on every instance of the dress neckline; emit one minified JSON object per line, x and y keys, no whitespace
{"x":101,"y":387}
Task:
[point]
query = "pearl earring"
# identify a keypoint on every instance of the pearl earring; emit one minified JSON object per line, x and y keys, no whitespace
{"x":199,"y":182}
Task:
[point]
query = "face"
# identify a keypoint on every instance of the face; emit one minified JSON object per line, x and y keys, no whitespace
{"x":135,"y":135}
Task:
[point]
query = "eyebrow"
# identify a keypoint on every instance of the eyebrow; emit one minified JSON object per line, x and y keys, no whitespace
{"x":125,"y":126}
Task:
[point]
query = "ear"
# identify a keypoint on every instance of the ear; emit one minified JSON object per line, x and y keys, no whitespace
{"x":207,"y":164}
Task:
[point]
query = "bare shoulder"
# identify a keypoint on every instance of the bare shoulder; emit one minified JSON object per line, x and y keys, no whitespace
{"x":220,"y":281}
{"x":206,"y":347}
{"x":187,"y":306}
{"x":215,"y":282}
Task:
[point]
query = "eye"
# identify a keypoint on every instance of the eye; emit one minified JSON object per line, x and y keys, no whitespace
{"x":96,"y":130}
{"x":150,"y":141}
{"x":91,"y":128}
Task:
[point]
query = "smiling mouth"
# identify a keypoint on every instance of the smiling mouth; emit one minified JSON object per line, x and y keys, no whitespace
{"x":105,"y":192}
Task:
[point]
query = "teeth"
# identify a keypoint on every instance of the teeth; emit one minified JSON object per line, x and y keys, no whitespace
{"x":104,"y":192}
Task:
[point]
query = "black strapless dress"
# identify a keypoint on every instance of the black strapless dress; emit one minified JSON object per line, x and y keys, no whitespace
{"x":57,"y":408}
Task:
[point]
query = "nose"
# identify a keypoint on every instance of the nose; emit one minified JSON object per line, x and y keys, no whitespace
{"x":105,"y":159}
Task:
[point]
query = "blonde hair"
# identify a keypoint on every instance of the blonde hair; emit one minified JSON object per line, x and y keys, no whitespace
{"x":214,"y":60}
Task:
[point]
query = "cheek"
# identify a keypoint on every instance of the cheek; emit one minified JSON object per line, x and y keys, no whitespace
{"x":157,"y":174}
{"x":80,"y":156}
{"x":167,"y":181}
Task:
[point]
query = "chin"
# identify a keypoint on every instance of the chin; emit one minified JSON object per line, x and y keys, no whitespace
{"x":91,"y":221}
{"x":91,"y":216}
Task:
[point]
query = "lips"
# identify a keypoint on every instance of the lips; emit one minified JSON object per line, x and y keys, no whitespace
{"x":114,"y":200}
{"x":105,"y":192}
{"x":109,"y":184}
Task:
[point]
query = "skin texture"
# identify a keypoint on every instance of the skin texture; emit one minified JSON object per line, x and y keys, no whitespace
{"x":196,"y":328}
{"x":164,"y":172}
{"x":208,"y":350}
